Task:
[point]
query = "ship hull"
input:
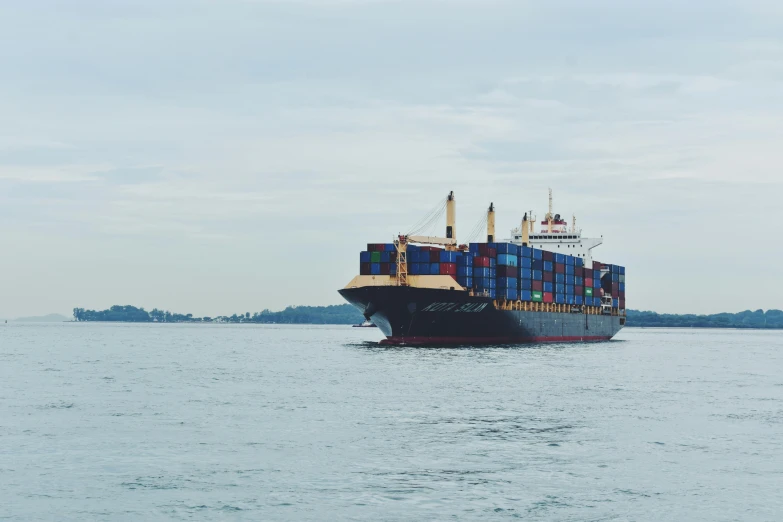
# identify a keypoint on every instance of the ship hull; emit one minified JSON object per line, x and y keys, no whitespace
{"x":427,"y":316}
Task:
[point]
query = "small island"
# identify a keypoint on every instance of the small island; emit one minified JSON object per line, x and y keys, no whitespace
{"x":347,"y":314}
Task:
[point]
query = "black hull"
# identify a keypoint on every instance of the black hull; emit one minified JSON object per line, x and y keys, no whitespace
{"x":424,"y":316}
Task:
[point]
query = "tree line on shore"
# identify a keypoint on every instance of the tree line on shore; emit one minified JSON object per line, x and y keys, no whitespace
{"x":347,"y":314}
{"x":335,"y":314}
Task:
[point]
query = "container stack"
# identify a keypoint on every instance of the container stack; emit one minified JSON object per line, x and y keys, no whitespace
{"x":507,"y":271}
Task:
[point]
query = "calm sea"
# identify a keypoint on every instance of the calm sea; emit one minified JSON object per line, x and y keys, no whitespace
{"x":181,"y":422}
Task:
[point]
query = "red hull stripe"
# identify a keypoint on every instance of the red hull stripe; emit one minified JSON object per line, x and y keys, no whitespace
{"x":490,"y":340}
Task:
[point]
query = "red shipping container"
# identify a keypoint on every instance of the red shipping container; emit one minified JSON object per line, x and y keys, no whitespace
{"x":589,"y":282}
{"x":548,"y":277}
{"x":538,"y":286}
{"x":559,"y":268}
{"x":549,"y":297}
{"x":507,"y":271}
{"x":448,"y":269}
{"x":548,"y":256}
{"x":481,"y":262}
{"x":364,"y":268}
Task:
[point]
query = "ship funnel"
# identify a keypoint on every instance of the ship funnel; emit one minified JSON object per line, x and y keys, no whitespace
{"x":491,"y":223}
{"x":451,"y":217}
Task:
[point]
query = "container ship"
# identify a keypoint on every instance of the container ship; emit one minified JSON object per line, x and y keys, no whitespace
{"x":537,"y":286}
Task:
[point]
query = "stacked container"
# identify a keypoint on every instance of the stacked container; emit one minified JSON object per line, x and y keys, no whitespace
{"x":507,"y":271}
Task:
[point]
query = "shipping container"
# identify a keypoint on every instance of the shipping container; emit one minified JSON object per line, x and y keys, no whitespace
{"x":507,"y":260}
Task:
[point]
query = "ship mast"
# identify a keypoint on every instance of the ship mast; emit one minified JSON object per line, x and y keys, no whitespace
{"x":491,"y":223}
{"x":549,"y":215}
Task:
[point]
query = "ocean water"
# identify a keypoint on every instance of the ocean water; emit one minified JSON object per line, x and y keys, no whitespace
{"x":218,"y":422}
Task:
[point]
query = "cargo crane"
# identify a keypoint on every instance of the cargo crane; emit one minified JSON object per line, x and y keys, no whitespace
{"x":449,"y":242}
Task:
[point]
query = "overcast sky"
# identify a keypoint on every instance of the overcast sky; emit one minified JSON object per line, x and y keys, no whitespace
{"x":228,"y":156}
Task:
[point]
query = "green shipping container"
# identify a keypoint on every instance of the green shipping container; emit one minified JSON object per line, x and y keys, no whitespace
{"x":589,"y":292}
{"x":375,"y":257}
{"x":537,"y":296}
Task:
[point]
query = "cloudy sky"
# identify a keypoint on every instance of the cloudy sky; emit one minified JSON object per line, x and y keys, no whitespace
{"x":229,"y":156}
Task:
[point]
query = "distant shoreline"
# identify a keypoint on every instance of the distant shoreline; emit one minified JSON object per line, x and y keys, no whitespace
{"x":348,"y":315}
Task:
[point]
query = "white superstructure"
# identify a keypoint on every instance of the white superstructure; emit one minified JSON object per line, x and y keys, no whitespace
{"x":555,"y":236}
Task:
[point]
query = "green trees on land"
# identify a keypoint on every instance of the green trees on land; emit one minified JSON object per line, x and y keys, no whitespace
{"x":336,"y":314}
{"x":347,"y":314}
{"x":746,"y":319}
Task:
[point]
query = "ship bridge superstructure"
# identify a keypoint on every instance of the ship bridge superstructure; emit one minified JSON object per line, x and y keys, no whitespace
{"x":555,"y":235}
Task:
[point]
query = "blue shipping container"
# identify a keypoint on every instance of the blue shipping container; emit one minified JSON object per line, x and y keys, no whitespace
{"x":508,"y":293}
{"x":480,"y":272}
{"x":447,"y":256}
{"x":507,"y":260}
